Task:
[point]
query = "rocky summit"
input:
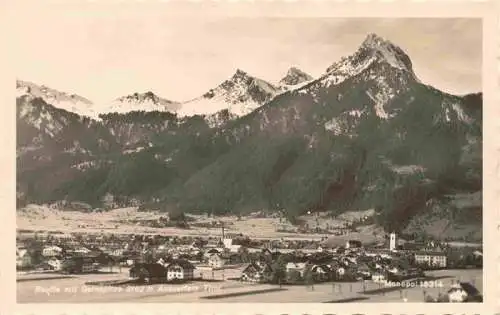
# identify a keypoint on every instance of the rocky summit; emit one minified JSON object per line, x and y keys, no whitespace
{"x":294,"y":77}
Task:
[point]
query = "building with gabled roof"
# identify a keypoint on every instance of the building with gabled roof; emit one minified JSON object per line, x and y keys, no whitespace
{"x":148,"y":273}
{"x":217,"y":260}
{"x":431,"y":258}
{"x":23,"y":257}
{"x":464,"y":292}
{"x":254,"y":272}
{"x":180,"y":269}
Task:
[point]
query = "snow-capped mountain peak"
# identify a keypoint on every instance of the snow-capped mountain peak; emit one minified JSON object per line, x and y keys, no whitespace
{"x":144,"y":97}
{"x":240,"y":74}
{"x":69,"y":102}
{"x":373,"y":49}
{"x":240,"y":94}
{"x":147,"y":101}
{"x":244,"y":86}
{"x":391,"y":53}
{"x":384,"y":65}
{"x":294,"y":77}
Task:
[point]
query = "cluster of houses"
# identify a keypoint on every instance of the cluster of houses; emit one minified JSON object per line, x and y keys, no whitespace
{"x":348,"y":263}
{"x":58,"y":258}
{"x":272,"y":260}
{"x":341,"y":265}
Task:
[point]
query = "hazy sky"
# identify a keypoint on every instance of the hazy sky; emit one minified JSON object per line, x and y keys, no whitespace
{"x":104,"y":56}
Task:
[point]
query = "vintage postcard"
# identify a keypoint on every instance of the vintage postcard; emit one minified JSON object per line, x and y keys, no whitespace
{"x":283,"y":155}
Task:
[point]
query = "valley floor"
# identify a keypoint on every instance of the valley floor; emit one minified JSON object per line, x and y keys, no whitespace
{"x":120,"y":221}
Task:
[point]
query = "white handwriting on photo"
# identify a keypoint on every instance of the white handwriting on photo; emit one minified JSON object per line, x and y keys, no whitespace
{"x":136,"y":289}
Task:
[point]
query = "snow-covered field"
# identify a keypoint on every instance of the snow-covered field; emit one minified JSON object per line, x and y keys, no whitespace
{"x":60,"y":290}
{"x":119,"y":221}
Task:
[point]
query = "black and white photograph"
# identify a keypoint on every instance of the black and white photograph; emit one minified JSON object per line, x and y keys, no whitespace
{"x":165,"y":158}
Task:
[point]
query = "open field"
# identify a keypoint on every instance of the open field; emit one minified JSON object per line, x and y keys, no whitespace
{"x":74,"y":290}
{"x":119,"y":221}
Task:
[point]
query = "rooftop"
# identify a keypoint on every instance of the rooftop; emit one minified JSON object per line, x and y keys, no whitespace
{"x":430,"y":253}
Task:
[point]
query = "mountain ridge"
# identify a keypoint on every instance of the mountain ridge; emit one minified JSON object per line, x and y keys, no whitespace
{"x":70,"y":102}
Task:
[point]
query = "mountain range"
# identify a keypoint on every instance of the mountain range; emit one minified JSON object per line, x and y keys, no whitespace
{"x":367,"y":134}
{"x":240,"y":94}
